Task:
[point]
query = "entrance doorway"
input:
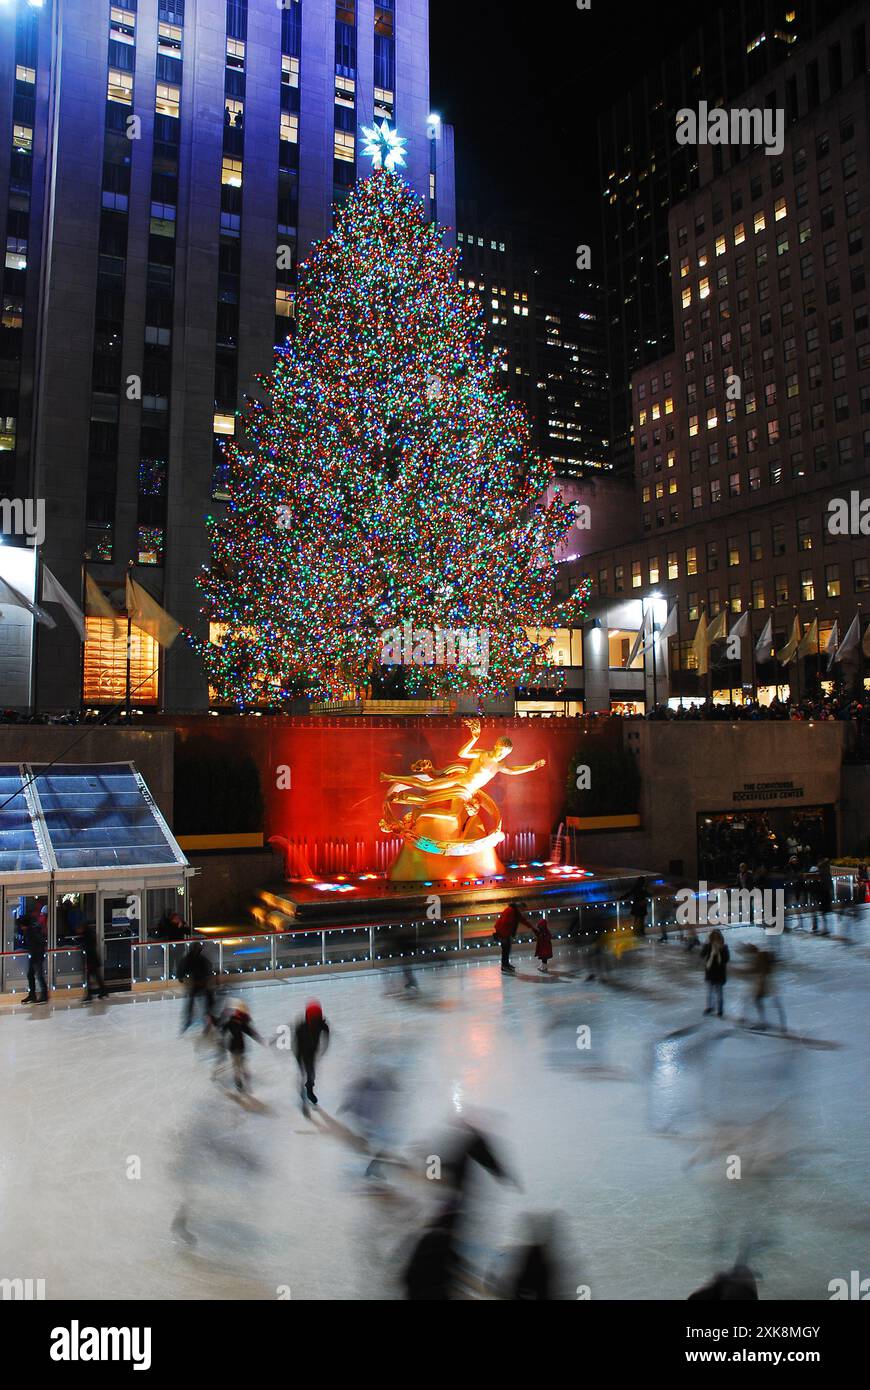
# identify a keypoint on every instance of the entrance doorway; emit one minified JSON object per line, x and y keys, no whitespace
{"x":119,"y":919}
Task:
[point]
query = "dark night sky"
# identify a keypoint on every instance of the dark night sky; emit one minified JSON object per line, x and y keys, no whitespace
{"x":523,"y":85}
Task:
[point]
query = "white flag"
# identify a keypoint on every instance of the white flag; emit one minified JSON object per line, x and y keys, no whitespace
{"x":670,"y":627}
{"x":741,"y":627}
{"x":831,"y":644}
{"x":53,"y":592}
{"x":851,"y":639}
{"x":765,"y":642}
{"x":640,"y":638}
{"x":13,"y":599}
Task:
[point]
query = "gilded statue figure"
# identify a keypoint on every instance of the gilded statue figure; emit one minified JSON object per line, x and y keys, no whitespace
{"x":452,"y":825}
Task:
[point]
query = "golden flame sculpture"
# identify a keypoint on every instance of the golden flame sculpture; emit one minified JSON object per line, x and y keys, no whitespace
{"x":453,"y":825}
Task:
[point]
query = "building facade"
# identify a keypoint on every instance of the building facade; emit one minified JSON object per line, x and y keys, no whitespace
{"x":756,"y":428}
{"x":644,"y":172}
{"x":166,"y":164}
{"x":549,"y":329}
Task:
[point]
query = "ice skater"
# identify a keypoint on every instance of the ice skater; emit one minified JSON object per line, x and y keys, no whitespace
{"x":405,"y":945}
{"x":87,"y":934}
{"x":34,"y":945}
{"x":762,"y":964}
{"x":716,"y":957}
{"x":638,"y":906}
{"x":235,"y":1026}
{"x":310,"y":1040}
{"x":543,"y":945}
{"x":506,"y":927}
{"x":196,"y":969}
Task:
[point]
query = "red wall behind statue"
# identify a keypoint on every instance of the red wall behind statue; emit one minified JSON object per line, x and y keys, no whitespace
{"x":335,"y":766}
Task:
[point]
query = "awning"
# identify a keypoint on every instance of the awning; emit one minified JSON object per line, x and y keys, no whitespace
{"x":79,"y":822}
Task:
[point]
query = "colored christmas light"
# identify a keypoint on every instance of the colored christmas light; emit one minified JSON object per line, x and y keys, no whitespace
{"x":385,"y":478}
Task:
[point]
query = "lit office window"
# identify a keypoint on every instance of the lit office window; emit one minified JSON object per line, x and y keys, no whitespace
{"x":105,"y":663}
{"x":16,"y":253}
{"x":290,"y":127}
{"x":23,"y":74}
{"x":739,"y":234}
{"x":345,"y":146}
{"x":22,"y":139}
{"x":345,"y":91}
{"x":169,"y":38}
{"x":289,"y":70}
{"x":231,"y":172}
{"x":224,"y":424}
{"x":385,"y":101}
{"x":779,"y":209}
{"x":236,"y":54}
{"x":122,"y":25}
{"x":284,"y":302}
{"x":720,"y":246}
{"x":687,"y":297}
{"x":760,"y":222}
{"x":168,"y":99}
{"x":120,"y":86}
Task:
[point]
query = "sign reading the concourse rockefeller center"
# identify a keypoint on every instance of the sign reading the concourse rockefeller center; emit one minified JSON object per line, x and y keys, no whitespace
{"x":769,"y":791}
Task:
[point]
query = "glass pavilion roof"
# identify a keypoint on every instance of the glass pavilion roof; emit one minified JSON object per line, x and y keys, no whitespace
{"x":79,"y":817}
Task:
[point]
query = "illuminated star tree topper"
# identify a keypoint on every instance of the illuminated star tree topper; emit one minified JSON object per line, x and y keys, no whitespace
{"x":384,"y":146}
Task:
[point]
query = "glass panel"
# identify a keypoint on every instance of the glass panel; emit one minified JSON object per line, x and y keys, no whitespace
{"x":298,"y":948}
{"x":98,"y":818}
{"x":346,"y":944}
{"x":18,"y":848}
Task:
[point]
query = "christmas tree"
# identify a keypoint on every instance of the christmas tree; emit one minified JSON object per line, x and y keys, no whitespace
{"x":386,"y":490}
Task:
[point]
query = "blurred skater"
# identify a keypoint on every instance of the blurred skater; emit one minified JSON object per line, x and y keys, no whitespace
{"x":371,"y":1104}
{"x":733,"y":1286}
{"x":762,"y":964}
{"x":543,"y":945}
{"x":505,"y":930}
{"x":196,"y":969}
{"x":431,"y":1272}
{"x":87,"y":934}
{"x":235,"y":1026}
{"x":534,"y":1277}
{"x":310,"y":1040}
{"x":405,"y":944}
{"x":716,"y":957}
{"x":824,"y":895}
{"x":638,"y":906}
{"x":34,"y":945}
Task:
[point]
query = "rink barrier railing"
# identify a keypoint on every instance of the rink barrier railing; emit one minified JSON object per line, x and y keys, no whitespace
{"x":155,"y":964}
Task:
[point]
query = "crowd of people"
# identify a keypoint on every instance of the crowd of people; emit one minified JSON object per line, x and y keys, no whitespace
{"x":817,"y":708}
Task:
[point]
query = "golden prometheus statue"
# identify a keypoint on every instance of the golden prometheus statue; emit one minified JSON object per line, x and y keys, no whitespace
{"x":453,"y":825}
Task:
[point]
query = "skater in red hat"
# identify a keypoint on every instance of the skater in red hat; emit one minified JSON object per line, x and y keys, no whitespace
{"x":310,"y":1040}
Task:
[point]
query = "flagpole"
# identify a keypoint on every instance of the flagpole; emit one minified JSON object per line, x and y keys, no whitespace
{"x":34,"y":682}
{"x":82,"y":660}
{"x":679,"y":648}
{"x":818,"y":653}
{"x":129,"y":634}
{"x":653,"y":635}
{"x":752,"y":667}
{"x":860,"y":656}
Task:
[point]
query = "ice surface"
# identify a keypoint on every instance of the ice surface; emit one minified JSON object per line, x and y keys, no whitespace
{"x":628,"y":1140}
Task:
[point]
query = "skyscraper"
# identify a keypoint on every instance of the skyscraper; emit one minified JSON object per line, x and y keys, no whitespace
{"x":166,"y":164}
{"x":644,"y":172}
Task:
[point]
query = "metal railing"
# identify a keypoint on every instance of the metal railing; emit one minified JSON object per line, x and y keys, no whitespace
{"x":374,"y":945}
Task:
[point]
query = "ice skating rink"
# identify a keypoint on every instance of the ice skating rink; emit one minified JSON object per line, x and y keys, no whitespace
{"x":111,"y":1123}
